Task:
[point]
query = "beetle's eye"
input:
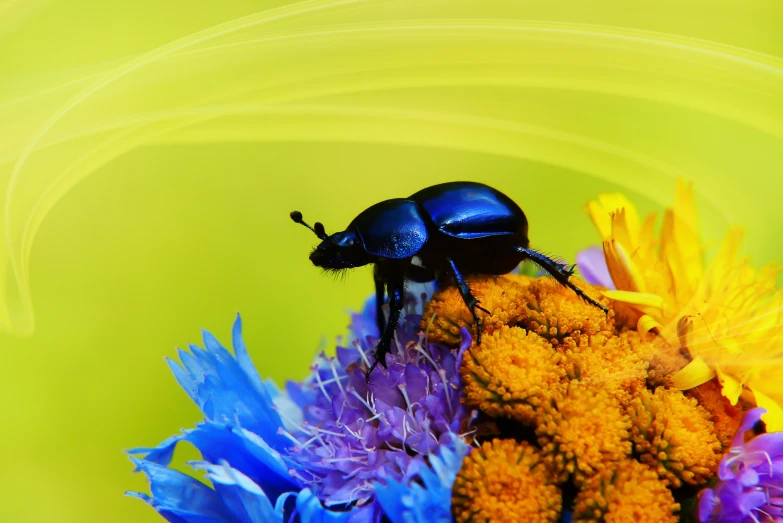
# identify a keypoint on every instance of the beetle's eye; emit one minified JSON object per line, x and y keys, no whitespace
{"x":347,"y":241}
{"x":344,"y":239}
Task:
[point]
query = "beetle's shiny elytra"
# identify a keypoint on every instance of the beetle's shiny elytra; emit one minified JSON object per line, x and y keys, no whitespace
{"x":453,"y":229}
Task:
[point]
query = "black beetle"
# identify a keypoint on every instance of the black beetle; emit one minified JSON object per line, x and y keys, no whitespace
{"x":451,"y":229}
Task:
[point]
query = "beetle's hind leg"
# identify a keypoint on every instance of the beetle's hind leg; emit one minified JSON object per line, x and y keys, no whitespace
{"x":560,"y":272}
{"x":467,"y":297}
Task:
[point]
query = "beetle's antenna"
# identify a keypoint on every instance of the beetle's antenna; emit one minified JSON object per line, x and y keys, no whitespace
{"x":318,"y":229}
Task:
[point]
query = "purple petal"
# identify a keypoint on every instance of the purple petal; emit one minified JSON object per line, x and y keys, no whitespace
{"x":751,"y":418}
{"x":770,"y":444}
{"x":592,"y":266}
{"x":748,"y":477}
{"x":415,"y":382}
{"x":464,"y":345}
{"x":708,"y":502}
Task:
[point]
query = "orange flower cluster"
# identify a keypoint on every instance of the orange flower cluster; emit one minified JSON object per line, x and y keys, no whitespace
{"x":488,"y":485}
{"x":589,"y":403}
{"x":631,"y":492}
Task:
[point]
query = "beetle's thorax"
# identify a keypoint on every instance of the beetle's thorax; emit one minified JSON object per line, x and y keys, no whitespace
{"x":392,"y":229}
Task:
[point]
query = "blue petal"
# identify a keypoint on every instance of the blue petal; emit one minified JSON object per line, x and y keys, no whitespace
{"x":161,"y":454}
{"x":244,"y":451}
{"x":186,"y":376}
{"x":180,"y":498}
{"x":226,"y":389}
{"x":242,"y":356}
{"x":246,"y":501}
{"x":310,"y":510}
{"x":411,"y":502}
{"x":300,"y":394}
{"x":290,"y":412}
{"x":390,"y":497}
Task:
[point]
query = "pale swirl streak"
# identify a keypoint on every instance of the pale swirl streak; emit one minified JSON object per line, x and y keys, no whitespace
{"x":92,"y":143}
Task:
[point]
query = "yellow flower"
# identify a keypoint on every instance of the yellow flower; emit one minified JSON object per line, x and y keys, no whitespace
{"x":446,"y":313}
{"x":674,"y":435}
{"x":617,"y":364}
{"x":727,"y":315}
{"x":582,"y":431}
{"x":556,"y":313}
{"x":505,"y":481}
{"x":628,"y":493}
{"x":510,"y":373}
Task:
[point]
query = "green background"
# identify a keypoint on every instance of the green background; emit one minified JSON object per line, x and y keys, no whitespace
{"x":150,"y":153}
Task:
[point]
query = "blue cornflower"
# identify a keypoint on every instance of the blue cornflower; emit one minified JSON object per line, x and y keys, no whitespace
{"x":331,"y":448}
{"x":750,"y":486}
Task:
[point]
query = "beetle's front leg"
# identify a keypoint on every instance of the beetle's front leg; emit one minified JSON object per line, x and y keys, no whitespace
{"x":380,"y":297}
{"x":467,"y":297}
{"x":396,"y":289}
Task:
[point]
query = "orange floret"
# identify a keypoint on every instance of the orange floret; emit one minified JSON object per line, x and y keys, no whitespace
{"x":505,"y":481}
{"x":628,"y":493}
{"x":611,"y":364}
{"x":674,"y":435}
{"x":446,"y":313}
{"x":557,"y":313}
{"x":583,"y":431}
{"x":644,"y":345}
{"x":724,"y":416}
{"x":664,"y":363}
{"x":522,"y":279}
{"x":510,"y":374}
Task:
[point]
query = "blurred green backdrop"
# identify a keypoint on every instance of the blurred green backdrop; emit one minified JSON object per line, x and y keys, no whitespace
{"x":150,"y":153}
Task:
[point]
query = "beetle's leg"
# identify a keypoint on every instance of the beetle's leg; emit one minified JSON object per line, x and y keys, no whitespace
{"x":467,"y":297}
{"x":380,"y":297}
{"x":559,"y":272}
{"x":396,"y":290}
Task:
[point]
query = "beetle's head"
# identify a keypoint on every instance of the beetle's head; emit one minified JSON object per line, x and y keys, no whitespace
{"x":341,"y":250}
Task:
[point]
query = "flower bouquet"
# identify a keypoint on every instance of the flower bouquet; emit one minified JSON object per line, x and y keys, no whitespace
{"x":666,"y":409}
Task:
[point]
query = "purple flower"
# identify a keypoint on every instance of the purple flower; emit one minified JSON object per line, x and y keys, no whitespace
{"x":325,"y":449}
{"x":353,"y":434}
{"x":592,"y":266}
{"x":750,"y":485}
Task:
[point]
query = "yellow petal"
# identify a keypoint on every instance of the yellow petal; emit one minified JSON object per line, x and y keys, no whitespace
{"x":773,"y":418}
{"x":647,"y":241}
{"x":731,"y":345}
{"x":646,"y":323}
{"x":601,"y":211}
{"x":615,"y":202}
{"x":723,"y":263}
{"x":692,"y":375}
{"x":684,"y":330}
{"x":667,"y":233}
{"x":636,"y":298}
{"x":732,"y":388}
{"x":622,"y":269}
{"x":601,"y":219}
{"x":622,"y":231}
